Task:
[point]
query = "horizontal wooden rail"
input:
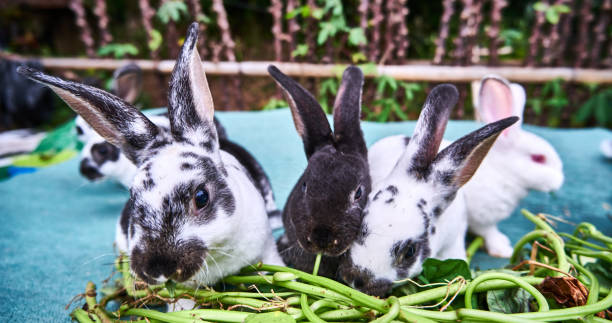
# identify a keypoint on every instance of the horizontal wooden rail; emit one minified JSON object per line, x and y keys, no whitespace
{"x":409,"y":72}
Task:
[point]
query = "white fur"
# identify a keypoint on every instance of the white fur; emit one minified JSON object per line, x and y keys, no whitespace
{"x":122,"y":170}
{"x":400,"y":220}
{"x":507,"y":174}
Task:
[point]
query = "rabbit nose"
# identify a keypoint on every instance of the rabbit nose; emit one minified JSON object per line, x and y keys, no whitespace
{"x":89,"y":171}
{"x":322,"y":237}
{"x":161,"y":268}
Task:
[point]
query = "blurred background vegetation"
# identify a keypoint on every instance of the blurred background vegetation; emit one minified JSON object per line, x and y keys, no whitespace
{"x":546,"y":33}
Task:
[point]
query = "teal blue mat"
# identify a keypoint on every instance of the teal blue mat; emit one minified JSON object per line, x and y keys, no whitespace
{"x":58,"y":229}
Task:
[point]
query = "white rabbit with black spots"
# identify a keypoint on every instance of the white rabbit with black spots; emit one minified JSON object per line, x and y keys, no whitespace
{"x":194,"y":214}
{"x":416,"y":209}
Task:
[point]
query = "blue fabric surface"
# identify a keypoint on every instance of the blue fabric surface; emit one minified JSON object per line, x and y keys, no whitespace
{"x":58,"y":229}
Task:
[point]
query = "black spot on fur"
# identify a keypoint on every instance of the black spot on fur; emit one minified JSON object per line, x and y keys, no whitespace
{"x":437,"y":211}
{"x":208,"y":145}
{"x":406,"y":140}
{"x":148,"y":184}
{"x":389,"y":201}
{"x":445,"y":177}
{"x":377,"y":195}
{"x":189,"y":154}
{"x":186,"y":166}
{"x":362,"y":278}
{"x":393,"y":190}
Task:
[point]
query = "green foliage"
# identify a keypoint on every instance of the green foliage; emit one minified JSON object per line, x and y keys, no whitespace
{"x":442,"y":271}
{"x":387,"y":106}
{"x":553,"y":99}
{"x":172,"y":9}
{"x":599,"y":107}
{"x":155,"y":41}
{"x":552,"y":12}
{"x":301,"y":50}
{"x":328,"y":88}
{"x":118,"y":50}
{"x":274,"y":104}
{"x":512,"y":300}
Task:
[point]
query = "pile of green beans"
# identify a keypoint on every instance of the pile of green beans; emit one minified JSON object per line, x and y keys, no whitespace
{"x":267,"y":293}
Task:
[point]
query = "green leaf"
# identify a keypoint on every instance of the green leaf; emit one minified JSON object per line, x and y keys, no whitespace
{"x":156,"y":40}
{"x":561,"y":8}
{"x":171,"y":10}
{"x":293,"y":13}
{"x":358,"y":57}
{"x":328,"y":86}
{"x":171,"y":287}
{"x":274,"y":104}
{"x":357,"y":37}
{"x":602,"y":272}
{"x":318,"y":13}
{"x":441,"y":271}
{"x":271,"y":317}
{"x":540,"y":6}
{"x":552,"y":16}
{"x":398,"y":110}
{"x":385,"y":82}
{"x":301,"y":50}
{"x":512,"y":300}
{"x":584,"y":112}
{"x":536,"y":105}
{"x":203,"y":18}
{"x":327,"y":30}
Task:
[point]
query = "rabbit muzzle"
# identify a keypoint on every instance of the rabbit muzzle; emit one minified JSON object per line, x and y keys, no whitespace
{"x":178,"y":263}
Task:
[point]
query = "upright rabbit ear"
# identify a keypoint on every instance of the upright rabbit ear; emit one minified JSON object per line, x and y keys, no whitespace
{"x":127,"y":82}
{"x":114,"y":119}
{"x":308,"y":116}
{"x":429,"y":130}
{"x":347,"y":112}
{"x":455,"y":165}
{"x":519,"y":98}
{"x":497,"y":99}
{"x":190,"y":103}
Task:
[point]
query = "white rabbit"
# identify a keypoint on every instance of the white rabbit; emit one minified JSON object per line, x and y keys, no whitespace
{"x":416,"y":209}
{"x":194,"y":213}
{"x":518,"y":162}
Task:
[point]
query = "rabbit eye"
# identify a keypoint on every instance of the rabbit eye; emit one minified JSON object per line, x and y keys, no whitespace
{"x":201,"y":197}
{"x":79,"y":131}
{"x":409,"y":252}
{"x":538,"y":158}
{"x":358,"y":193}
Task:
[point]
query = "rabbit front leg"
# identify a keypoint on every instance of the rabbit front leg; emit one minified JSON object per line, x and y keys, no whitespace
{"x":497,"y":243}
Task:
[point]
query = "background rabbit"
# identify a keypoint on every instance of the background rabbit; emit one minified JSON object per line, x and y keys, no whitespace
{"x":194,"y":215}
{"x":518,"y":162}
{"x":417,"y":210}
{"x":100,"y":159}
{"x":324,"y":210}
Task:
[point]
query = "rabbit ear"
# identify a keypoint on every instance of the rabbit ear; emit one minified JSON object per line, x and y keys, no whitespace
{"x":347,"y":112}
{"x":190,"y":103}
{"x":114,"y":119}
{"x":425,"y":141}
{"x":519,"y":98}
{"x":455,"y":165}
{"x":127,"y":82}
{"x":308,"y":116}
{"x":495,"y":99}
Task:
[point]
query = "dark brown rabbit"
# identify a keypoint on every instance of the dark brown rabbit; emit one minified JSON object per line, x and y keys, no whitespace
{"x":323,"y":213}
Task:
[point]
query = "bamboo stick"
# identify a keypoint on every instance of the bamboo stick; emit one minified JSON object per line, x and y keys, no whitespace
{"x":420,"y":72}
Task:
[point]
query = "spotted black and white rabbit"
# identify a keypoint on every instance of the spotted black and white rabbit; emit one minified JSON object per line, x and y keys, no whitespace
{"x":194,"y":214}
{"x":100,"y":159}
{"x":518,"y":162}
{"x":416,"y":209}
{"x":324,"y":210}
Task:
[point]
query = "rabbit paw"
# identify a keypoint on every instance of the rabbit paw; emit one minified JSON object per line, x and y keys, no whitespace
{"x":498,"y":245}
